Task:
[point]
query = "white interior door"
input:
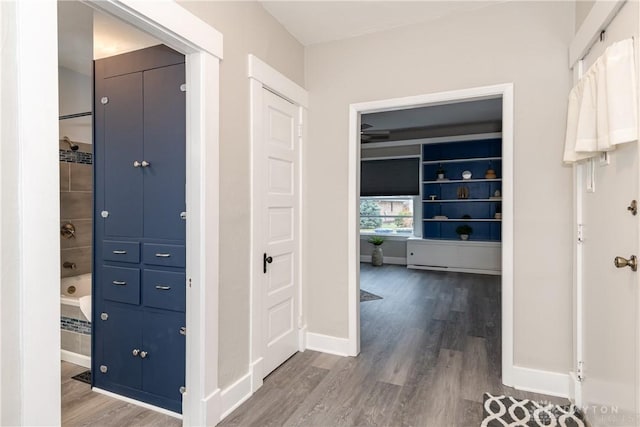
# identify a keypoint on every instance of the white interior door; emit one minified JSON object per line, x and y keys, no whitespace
{"x":280,"y":238}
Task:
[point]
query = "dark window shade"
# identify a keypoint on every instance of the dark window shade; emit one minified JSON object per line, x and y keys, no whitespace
{"x":394,"y":177}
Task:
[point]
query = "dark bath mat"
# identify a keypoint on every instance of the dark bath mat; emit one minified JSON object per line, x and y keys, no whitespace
{"x":502,"y":411}
{"x":84,"y":377}
{"x":368,"y":296}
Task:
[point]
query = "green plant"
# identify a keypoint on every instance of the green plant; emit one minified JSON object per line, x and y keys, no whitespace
{"x":376,"y":240}
{"x":464,"y":229}
{"x":369,"y":208}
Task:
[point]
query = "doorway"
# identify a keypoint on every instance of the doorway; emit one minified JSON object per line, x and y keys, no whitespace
{"x":503,"y":92}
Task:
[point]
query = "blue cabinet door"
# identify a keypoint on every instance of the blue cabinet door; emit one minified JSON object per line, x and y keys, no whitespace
{"x":164,"y":150}
{"x":122,"y":133}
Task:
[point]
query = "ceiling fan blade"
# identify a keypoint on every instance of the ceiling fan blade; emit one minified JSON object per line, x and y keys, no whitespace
{"x":364,"y":126}
{"x":376,"y":132}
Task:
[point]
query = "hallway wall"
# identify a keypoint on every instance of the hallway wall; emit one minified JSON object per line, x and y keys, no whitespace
{"x":521,"y":42}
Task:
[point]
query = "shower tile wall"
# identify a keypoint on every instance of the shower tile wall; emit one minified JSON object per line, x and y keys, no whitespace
{"x":75,"y":330}
{"x":76,"y":184}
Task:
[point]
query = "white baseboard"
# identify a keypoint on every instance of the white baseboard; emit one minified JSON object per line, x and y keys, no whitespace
{"x":234,"y":395}
{"x":255,"y":370}
{"x":328,"y":344}
{"x":75,"y":358}
{"x":544,"y":382}
{"x":576,"y":395}
{"x":387,"y":259}
{"x":302,"y":338}
{"x":137,"y":403}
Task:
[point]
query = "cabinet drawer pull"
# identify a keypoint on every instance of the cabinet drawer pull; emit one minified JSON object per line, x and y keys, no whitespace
{"x":119,"y":252}
{"x":119,"y":283}
{"x":163,"y":255}
{"x":163,"y":288}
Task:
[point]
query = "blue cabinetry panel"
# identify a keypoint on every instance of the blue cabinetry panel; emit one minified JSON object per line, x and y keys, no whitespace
{"x":166,"y":255}
{"x":121,"y":251}
{"x":121,"y":284}
{"x":164,"y":289}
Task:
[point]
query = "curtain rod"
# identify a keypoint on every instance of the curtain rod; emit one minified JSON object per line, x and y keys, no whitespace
{"x":73,"y":116}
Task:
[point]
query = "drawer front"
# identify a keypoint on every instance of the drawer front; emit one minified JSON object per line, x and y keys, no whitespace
{"x":164,"y":289}
{"x":121,"y":251}
{"x":166,"y":255}
{"x":121,"y":284}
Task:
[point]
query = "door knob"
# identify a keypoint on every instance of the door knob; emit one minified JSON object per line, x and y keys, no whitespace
{"x":135,"y":352}
{"x":145,"y":164}
{"x":266,"y":260}
{"x":632,"y":262}
{"x":137,"y":164}
{"x":143,"y":354}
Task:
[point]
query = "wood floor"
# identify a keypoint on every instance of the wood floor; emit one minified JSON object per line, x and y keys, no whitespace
{"x":83,"y":407}
{"x":429,"y":350}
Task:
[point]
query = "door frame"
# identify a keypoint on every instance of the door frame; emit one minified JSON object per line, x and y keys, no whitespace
{"x":505,"y":91}
{"x":38,"y":251}
{"x":262,"y":76}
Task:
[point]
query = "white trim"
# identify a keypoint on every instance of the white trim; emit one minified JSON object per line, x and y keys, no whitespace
{"x":454,"y":269}
{"x":390,"y":237}
{"x":601,"y":14}
{"x":353,"y":233}
{"x":137,"y":403}
{"x":75,"y":358}
{"x":234,"y":395}
{"x":434,"y":140}
{"x":395,"y":260}
{"x":277,"y":82}
{"x":408,"y":156}
{"x":328,"y":344}
{"x":262,"y":76}
{"x":543,"y":382}
{"x":302,"y":338}
{"x":37,"y":104}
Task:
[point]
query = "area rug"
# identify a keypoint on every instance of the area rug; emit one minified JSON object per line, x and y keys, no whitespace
{"x":368,"y":296}
{"x":500,"y":411}
{"x":84,"y":377}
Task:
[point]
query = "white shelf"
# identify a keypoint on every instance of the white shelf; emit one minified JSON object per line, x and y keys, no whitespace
{"x":461,"y":200}
{"x":458,"y":181}
{"x":473,"y":159}
{"x":462,"y":220}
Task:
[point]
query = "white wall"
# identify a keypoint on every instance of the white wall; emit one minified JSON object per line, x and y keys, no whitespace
{"x":521,"y":42}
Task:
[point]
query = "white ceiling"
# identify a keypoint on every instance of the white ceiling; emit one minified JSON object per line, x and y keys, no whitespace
{"x":313,"y":22}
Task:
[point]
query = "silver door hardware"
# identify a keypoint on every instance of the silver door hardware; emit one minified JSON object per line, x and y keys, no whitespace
{"x":104,"y":100}
{"x":144,"y":354}
{"x":183,"y":330}
{"x":119,"y":283}
{"x":103,"y":369}
{"x":632,"y":262}
{"x":136,"y":164}
{"x":104,"y":214}
{"x":163,"y":255}
{"x":183,"y":215}
{"x":580,"y":373}
{"x":183,"y":390}
{"x":633,"y":207}
{"x":163,"y":288}
{"x":104,"y":316}
{"x":145,"y":164}
{"x":119,"y":252}
{"x":135,"y":352}
{"x":183,"y":87}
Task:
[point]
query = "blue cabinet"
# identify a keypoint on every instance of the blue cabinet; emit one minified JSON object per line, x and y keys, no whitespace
{"x":139,"y":232}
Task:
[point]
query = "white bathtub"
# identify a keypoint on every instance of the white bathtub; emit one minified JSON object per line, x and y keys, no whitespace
{"x":75,"y":326}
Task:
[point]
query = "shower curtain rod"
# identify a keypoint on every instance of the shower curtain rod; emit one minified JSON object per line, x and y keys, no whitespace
{"x":73,"y":116}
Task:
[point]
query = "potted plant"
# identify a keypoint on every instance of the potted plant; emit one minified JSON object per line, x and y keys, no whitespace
{"x":464,"y":231}
{"x":376,"y":255}
{"x":440,"y":172}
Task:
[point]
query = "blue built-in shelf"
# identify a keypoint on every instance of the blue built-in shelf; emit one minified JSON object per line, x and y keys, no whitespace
{"x":450,"y":202}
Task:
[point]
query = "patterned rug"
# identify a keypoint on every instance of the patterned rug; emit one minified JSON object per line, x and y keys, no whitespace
{"x":501,"y":411}
{"x":368,"y":296}
{"x":84,"y":377}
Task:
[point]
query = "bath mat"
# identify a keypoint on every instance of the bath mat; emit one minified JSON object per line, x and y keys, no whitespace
{"x":84,"y":377}
{"x":368,"y":296}
{"x":502,"y":411}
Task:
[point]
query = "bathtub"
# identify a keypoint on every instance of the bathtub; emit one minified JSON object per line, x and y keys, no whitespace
{"x":75,"y":319}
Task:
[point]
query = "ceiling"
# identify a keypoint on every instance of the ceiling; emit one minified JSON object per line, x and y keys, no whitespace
{"x":313,"y":22}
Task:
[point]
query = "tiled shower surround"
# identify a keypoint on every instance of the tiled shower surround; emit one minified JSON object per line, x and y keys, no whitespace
{"x":75,"y":331}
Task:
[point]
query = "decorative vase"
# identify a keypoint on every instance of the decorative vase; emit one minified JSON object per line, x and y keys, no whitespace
{"x":376,"y":256}
{"x":464,"y":237}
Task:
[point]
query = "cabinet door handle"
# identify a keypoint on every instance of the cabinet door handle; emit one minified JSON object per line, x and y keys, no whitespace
{"x":119,"y":283}
{"x":119,"y":252}
{"x":163,"y":287}
{"x":163,"y":255}
{"x":144,"y":354}
{"x":136,"y":164}
{"x":135,"y":352}
{"x":145,"y":164}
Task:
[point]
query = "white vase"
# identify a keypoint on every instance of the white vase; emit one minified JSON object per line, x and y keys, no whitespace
{"x":376,"y":256}
{"x":464,"y":237}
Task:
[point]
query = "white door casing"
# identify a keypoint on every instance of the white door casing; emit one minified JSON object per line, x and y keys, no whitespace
{"x":268,"y":86}
{"x":280,"y":215}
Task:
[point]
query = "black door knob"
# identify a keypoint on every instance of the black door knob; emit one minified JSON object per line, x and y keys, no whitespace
{"x":266,"y":260}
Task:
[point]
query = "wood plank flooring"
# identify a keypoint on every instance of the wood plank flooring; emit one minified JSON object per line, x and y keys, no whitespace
{"x":83,"y":407}
{"x":429,"y":350}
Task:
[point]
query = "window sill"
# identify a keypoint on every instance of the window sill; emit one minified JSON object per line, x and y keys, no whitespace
{"x":389,"y":236}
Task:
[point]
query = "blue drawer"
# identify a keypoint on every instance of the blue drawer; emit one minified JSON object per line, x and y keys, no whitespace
{"x":121,"y":284}
{"x":164,"y":289}
{"x":166,"y":255}
{"x":121,"y":251}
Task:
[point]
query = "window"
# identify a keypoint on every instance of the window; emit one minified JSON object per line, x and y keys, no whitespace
{"x":387,"y":215}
